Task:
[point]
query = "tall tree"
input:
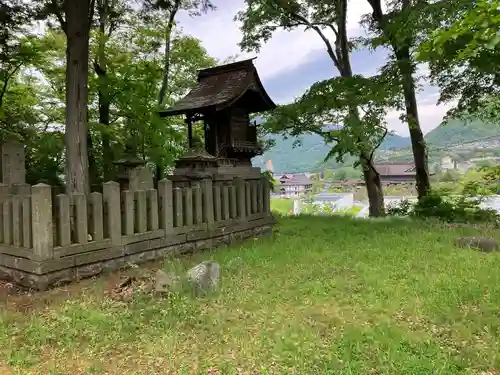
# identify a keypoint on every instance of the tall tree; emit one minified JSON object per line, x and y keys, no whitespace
{"x":396,"y":28}
{"x":77,"y":28}
{"x":170,"y":8}
{"x":330,"y":102}
{"x":261,"y":18}
{"x":75,"y":18}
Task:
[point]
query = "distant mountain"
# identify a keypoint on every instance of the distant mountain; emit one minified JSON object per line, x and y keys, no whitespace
{"x":309,"y":155}
{"x":455,"y":132}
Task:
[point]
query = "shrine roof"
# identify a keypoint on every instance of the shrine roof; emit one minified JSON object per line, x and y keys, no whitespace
{"x":222,"y":86}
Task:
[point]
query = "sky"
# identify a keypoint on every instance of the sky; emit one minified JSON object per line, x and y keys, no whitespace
{"x":291,"y":61}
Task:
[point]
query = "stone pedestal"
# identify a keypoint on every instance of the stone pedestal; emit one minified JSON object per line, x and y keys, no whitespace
{"x":197,"y":165}
{"x":134,"y":175}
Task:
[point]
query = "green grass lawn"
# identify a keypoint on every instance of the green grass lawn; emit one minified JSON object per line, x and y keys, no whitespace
{"x":281,"y":205}
{"x":324,"y":295}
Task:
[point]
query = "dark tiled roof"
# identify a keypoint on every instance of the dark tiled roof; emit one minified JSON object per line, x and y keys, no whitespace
{"x":396,"y":169}
{"x":221,"y":86}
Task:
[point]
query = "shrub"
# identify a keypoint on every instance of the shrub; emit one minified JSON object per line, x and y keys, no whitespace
{"x":463,"y":209}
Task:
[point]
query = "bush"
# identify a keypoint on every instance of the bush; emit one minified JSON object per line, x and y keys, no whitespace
{"x":461,"y":209}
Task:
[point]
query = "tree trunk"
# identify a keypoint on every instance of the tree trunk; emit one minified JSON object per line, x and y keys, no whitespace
{"x":103,"y":95}
{"x":373,"y":189}
{"x":370,"y":175}
{"x":417,"y":137}
{"x":77,"y":54}
{"x":166,"y":70}
{"x":93,"y":170}
{"x":158,"y":174}
{"x":401,"y":49}
{"x":168,"y":43}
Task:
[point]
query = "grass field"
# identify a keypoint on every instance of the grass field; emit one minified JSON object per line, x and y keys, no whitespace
{"x":324,"y":295}
{"x":281,"y":205}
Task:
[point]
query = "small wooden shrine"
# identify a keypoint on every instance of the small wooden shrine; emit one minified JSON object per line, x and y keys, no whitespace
{"x":223,"y":99}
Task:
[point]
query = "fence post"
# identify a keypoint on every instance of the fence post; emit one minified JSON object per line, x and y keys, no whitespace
{"x":208,"y":201}
{"x":239,"y":182}
{"x":166,"y":197}
{"x":4,"y":192}
{"x":97,"y":230}
{"x":41,"y":225}
{"x":266,"y":191}
{"x":111,"y":197}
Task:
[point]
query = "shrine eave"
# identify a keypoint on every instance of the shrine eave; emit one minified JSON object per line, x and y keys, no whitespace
{"x":221,"y":87}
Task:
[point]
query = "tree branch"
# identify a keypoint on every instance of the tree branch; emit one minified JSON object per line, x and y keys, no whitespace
{"x":377,"y":14}
{"x":6,"y":82}
{"x":56,"y":10}
{"x":316,"y":28}
{"x":381,"y":139}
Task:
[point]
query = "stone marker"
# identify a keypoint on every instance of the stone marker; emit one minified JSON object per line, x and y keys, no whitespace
{"x":166,"y":281}
{"x":204,"y":276}
{"x":485,"y":244}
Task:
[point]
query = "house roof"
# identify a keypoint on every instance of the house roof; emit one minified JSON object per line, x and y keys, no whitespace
{"x":395,"y":169}
{"x":297,"y":179}
{"x":221,"y":86}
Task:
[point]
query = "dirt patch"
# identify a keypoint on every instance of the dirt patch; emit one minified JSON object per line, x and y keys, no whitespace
{"x":16,"y":298}
{"x":8,"y":289}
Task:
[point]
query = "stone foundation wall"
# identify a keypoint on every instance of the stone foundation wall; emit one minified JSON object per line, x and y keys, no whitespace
{"x":79,"y":272}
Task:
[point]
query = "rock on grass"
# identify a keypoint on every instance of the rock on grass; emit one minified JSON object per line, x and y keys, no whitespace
{"x":485,"y":244}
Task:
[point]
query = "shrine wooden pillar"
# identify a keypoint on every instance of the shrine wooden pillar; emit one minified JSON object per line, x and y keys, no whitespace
{"x":189,"y":122}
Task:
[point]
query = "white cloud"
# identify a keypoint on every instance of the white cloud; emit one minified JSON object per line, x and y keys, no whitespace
{"x":286,"y":51}
{"x":430,"y":116}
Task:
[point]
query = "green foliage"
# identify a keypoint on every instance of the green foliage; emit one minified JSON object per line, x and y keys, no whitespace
{"x":485,"y":182}
{"x":473,"y":30}
{"x":134,"y":73}
{"x":33,"y":105}
{"x":452,"y":209}
{"x":457,"y":198}
{"x":333,"y":102}
{"x":463,"y":53}
{"x":270,"y":178}
{"x":346,"y":173}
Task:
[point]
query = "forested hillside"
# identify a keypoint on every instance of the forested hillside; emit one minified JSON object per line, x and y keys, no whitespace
{"x":310,"y":153}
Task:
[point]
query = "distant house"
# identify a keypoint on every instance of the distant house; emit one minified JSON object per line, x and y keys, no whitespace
{"x":396,"y":173}
{"x":294,"y":185}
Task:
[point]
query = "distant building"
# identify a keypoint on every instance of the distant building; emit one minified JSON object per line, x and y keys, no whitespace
{"x":447,"y":163}
{"x":396,"y":173}
{"x":294,"y":185}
